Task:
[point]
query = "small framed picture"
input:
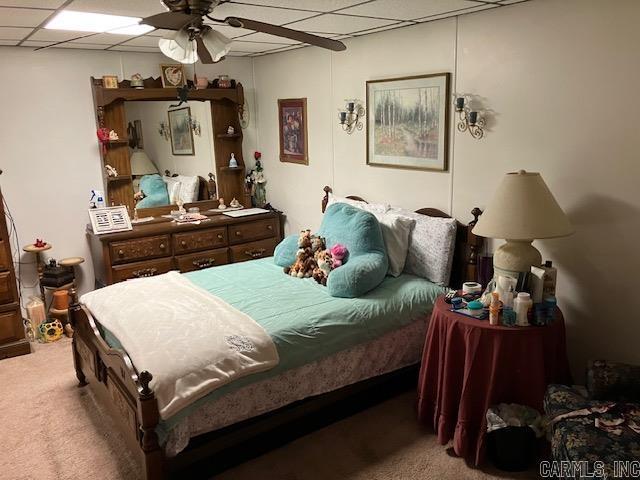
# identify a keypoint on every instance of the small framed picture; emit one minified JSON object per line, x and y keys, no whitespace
{"x":181,"y":133}
{"x":110,"y":81}
{"x":292,"y":114}
{"x":173,"y":76}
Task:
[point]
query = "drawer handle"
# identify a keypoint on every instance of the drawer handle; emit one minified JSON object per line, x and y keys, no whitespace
{"x":204,"y":263}
{"x":183,"y":243}
{"x":238,"y":233}
{"x":144,"y":272}
{"x":121,"y":253}
{"x":162,"y":246}
{"x":269,"y":227}
{"x":220,"y":236}
{"x":256,"y":252}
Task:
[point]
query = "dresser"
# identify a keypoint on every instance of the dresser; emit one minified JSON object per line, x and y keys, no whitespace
{"x":162,"y":245}
{"x":12,"y":340}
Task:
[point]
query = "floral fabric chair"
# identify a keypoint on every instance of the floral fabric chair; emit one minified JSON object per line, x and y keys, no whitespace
{"x":600,"y":423}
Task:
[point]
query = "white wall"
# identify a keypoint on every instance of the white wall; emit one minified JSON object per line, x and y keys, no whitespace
{"x":560,"y":78}
{"x":48,"y":146}
{"x":159,"y":149}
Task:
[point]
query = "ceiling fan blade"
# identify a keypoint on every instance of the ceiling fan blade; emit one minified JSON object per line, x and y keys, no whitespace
{"x":286,"y":33}
{"x":203,"y":53}
{"x":170,"y":20}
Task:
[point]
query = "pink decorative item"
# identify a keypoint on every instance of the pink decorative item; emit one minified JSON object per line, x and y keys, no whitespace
{"x":201,"y":83}
{"x":338,"y":253}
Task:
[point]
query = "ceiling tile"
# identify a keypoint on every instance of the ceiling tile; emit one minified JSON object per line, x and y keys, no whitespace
{"x":59,"y":35}
{"x":382,"y":29}
{"x":22,"y":17}
{"x":8,"y":42}
{"x":265,"y":37}
{"x":106,"y":39}
{"x":144,"y":41}
{"x":35,"y":43}
{"x":132,"y":8}
{"x":334,"y":23}
{"x":253,"y":46}
{"x":51,"y":4}
{"x":14,"y":33}
{"x":81,"y":46}
{"x":277,"y":16}
{"x":510,"y":2}
{"x":126,"y":48}
{"x":459,"y":12}
{"x":313,"y":5}
{"x":407,"y":9}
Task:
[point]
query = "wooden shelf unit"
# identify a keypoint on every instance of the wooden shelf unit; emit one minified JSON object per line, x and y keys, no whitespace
{"x":226,"y":105}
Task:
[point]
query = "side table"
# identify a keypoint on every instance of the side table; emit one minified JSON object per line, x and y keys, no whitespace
{"x":469,"y":365}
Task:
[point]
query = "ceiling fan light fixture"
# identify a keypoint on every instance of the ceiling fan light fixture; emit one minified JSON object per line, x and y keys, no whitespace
{"x":179,"y":47}
{"x":217,"y":44}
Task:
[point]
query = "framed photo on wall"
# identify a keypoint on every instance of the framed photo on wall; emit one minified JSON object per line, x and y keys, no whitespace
{"x":408,"y":122}
{"x":292,"y":115}
{"x":110,"y":81}
{"x":180,"y":130}
{"x":173,"y":76}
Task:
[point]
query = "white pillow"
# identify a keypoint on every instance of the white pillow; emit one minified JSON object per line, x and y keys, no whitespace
{"x":173,"y":189}
{"x":431,"y":246}
{"x":189,"y":189}
{"x":369,"y":207}
{"x":395,"y":232}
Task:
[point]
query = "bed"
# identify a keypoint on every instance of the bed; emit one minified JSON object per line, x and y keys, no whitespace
{"x":335,"y":355}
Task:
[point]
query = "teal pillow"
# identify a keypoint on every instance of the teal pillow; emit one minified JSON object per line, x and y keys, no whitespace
{"x":285,"y":253}
{"x":367,"y":263}
{"x":155,"y":190}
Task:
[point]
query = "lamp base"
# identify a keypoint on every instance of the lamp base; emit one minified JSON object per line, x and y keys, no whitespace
{"x":514,"y":257}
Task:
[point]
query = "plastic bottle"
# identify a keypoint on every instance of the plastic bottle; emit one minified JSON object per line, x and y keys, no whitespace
{"x":550,"y":276}
{"x":522,"y":304}
{"x":494,"y":309}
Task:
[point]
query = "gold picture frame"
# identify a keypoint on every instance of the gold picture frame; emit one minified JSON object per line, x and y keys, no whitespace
{"x":292,"y":121}
{"x":110,"y":81}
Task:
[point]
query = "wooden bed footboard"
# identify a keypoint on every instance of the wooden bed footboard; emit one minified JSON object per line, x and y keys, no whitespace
{"x":125,"y":392}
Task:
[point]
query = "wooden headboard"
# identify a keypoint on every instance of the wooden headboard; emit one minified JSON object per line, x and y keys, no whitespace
{"x":464,"y":267}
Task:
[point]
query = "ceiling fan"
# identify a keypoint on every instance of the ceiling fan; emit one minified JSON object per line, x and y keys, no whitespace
{"x":186,"y":18}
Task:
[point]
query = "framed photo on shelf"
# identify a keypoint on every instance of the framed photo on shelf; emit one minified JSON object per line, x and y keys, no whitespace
{"x":173,"y":76}
{"x":408,"y":122}
{"x":110,"y":81}
{"x":180,"y":131}
{"x":292,"y":115}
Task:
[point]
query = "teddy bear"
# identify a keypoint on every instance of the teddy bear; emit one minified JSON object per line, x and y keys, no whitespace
{"x":324,"y":265}
{"x":338,"y":254}
{"x":305,"y":262}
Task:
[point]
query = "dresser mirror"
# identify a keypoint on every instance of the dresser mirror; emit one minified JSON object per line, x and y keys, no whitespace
{"x":171,"y":152}
{"x":164,"y":150}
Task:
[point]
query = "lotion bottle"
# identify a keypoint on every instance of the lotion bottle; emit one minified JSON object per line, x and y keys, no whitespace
{"x":521,"y":305}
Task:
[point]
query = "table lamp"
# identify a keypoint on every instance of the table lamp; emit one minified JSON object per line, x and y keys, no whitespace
{"x":141,"y":165}
{"x":522,"y":209}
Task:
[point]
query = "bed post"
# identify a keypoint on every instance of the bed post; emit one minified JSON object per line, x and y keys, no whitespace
{"x":149,"y":419}
{"x":74,"y":310}
{"x":325,"y":199}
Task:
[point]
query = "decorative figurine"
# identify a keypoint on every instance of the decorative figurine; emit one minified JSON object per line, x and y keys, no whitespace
{"x":111,"y":172}
{"x":201,"y":82}
{"x":234,"y":203}
{"x":222,"y":206}
{"x":136,"y":81}
{"x":39,"y":243}
{"x":255,"y":183}
{"x":233,"y":163}
{"x":113,"y":136}
{"x":230,"y":130}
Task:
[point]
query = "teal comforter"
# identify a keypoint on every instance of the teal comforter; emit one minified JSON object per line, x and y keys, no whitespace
{"x":304,"y":321}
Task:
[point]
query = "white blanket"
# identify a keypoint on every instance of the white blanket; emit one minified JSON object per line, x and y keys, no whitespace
{"x":191,"y":341}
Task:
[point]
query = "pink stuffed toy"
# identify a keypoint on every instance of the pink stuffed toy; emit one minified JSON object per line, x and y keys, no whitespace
{"x":338,"y":253}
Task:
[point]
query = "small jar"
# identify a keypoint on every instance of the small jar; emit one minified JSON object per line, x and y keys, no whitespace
{"x":508,"y":316}
{"x":193,"y":210}
{"x":456,"y":303}
{"x":476,"y":308}
{"x":550,"y":304}
{"x":224,"y":82}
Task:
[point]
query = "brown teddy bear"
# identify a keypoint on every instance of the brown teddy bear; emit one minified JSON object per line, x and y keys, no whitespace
{"x":308,"y":246}
{"x":324,"y":265}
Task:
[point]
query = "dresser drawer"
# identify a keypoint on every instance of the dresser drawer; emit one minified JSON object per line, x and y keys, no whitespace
{"x":7,"y":293}
{"x":140,"y":248}
{"x":244,"y":232}
{"x":253,"y":250}
{"x":200,"y":260}
{"x":200,"y":240}
{"x":11,"y":329}
{"x":141,"y":269}
{"x":5,"y":256}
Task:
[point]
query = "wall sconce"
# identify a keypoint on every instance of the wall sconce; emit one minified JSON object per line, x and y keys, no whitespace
{"x":195,"y":126}
{"x":469,"y":119}
{"x":163,"y":130}
{"x":351,"y":117}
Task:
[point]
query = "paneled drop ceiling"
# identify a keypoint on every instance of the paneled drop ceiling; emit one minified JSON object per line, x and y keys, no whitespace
{"x":21,"y":21}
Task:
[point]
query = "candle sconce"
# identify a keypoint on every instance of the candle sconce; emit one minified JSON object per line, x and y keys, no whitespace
{"x":469,"y":119}
{"x":163,"y":130}
{"x":351,"y":117}
{"x":195,"y":126}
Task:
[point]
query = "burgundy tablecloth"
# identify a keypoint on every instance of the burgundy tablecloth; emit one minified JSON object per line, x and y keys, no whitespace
{"x":469,"y":365}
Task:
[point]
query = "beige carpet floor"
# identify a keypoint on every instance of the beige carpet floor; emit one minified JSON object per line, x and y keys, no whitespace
{"x":50,"y":429}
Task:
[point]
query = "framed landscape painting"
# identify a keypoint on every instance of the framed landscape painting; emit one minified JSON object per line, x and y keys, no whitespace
{"x":292,"y":115}
{"x":181,"y":134}
{"x":408,"y":122}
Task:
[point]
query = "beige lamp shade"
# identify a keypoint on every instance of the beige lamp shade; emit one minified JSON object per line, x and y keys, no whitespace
{"x":141,"y":164}
{"x":523,"y":208}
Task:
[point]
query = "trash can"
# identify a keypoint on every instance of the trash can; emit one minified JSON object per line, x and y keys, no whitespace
{"x":512,"y":432}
